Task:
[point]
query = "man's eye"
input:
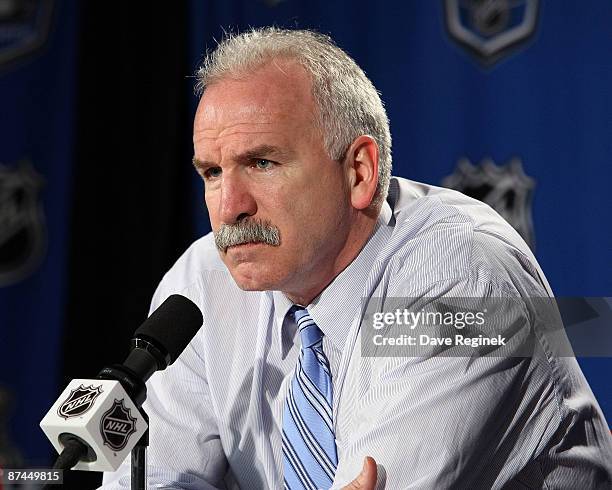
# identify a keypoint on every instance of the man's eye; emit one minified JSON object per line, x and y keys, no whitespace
{"x":263,"y":164}
{"x":212,"y":173}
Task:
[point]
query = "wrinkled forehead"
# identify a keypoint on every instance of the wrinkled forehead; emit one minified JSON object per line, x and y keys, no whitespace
{"x":217,"y":115}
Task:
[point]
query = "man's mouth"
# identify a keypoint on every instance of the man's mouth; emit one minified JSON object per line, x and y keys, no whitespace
{"x":244,"y":245}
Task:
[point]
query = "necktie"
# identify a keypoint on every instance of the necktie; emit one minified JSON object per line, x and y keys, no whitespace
{"x":309,"y":446}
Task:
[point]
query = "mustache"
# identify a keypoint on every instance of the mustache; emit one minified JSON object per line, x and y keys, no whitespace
{"x":251,"y":231}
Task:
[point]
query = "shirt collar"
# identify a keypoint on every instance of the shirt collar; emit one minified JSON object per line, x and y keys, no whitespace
{"x":340,"y":302}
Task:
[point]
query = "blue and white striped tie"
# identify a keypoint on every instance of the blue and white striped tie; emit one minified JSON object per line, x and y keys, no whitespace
{"x":309,"y":446}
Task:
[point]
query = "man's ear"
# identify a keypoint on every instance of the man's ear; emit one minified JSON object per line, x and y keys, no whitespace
{"x":362,"y":166}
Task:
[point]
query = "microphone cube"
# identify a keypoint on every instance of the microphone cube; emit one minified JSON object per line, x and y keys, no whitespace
{"x":102,"y":415}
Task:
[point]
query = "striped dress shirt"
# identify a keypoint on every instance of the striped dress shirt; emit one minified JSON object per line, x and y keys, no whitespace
{"x":429,"y":422}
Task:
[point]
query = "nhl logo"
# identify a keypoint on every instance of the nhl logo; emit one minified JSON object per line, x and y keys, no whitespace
{"x":22,"y":229}
{"x":79,"y":401}
{"x":117,"y":425}
{"x":491,"y":29}
{"x":506,"y":189}
{"x":24,"y":27}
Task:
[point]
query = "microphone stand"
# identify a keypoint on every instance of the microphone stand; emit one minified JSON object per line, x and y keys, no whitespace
{"x":139,"y":459}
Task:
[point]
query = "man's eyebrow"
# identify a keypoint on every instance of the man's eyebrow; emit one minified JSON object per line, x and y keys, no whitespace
{"x":198,"y":164}
{"x":261,"y":151}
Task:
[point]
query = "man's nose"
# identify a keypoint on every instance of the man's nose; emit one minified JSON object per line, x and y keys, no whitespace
{"x":237,"y":202}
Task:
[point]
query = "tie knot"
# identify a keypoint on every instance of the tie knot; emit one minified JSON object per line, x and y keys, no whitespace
{"x":310,"y":334}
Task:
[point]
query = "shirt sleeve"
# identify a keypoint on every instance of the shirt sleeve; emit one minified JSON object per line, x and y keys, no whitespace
{"x":474,"y":418}
{"x":185,"y":449}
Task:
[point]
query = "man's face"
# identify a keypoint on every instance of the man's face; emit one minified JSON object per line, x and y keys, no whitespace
{"x":263,"y":160}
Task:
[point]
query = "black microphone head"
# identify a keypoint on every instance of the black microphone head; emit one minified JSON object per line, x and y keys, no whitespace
{"x":172,"y":326}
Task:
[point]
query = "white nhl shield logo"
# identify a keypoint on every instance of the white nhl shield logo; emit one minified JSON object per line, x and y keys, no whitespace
{"x":22,"y":225}
{"x":24,"y":27}
{"x":505,"y":188}
{"x":491,"y":29}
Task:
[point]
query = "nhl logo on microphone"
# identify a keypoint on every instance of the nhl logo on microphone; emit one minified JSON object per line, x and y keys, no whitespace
{"x":108,"y":419}
{"x":79,"y":401}
{"x":117,"y":425}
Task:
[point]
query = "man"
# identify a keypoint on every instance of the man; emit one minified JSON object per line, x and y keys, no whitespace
{"x":281,"y":387}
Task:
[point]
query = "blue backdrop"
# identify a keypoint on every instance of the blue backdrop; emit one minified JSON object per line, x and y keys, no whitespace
{"x":530,"y":84}
{"x":37,"y":90}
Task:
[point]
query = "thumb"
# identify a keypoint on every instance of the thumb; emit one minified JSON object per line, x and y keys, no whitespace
{"x":366,"y":480}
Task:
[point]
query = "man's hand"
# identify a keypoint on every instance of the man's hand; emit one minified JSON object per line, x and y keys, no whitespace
{"x":366,"y":480}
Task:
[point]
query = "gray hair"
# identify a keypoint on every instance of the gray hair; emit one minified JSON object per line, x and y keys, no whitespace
{"x":348,"y":104}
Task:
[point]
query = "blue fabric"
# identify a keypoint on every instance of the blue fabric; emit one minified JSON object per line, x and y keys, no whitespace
{"x":37,"y":101}
{"x":309,"y":447}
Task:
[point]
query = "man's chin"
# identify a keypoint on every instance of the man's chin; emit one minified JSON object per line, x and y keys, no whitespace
{"x":254,"y":267}
{"x":254,"y":284}
{"x":252,"y":277}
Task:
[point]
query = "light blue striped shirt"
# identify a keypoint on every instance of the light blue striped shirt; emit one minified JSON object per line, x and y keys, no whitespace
{"x":429,"y":422}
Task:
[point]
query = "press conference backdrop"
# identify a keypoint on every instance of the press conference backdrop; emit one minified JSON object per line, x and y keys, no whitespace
{"x":509,"y":101}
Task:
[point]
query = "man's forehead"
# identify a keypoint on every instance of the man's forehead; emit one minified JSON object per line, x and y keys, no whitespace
{"x":245,"y":125}
{"x":214,"y":111}
{"x":235,"y":116}
{"x":269,"y":89}
{"x":243,"y":128}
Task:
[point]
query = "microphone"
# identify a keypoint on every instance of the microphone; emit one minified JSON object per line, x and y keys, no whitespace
{"x":95,"y":423}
